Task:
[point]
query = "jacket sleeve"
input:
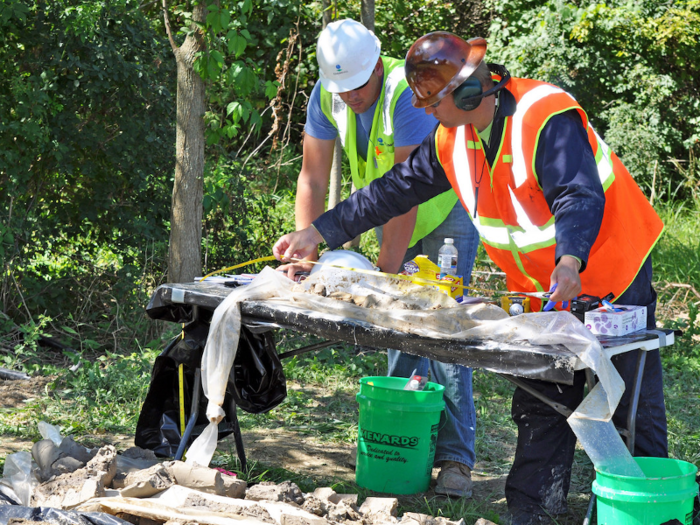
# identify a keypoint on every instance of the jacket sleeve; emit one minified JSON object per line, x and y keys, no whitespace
{"x":568,"y":175}
{"x":417,"y":180}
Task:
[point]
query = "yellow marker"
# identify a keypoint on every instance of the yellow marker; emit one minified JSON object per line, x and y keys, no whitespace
{"x":181,"y":381}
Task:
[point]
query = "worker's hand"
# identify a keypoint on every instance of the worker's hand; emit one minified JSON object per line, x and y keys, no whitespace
{"x":292,"y":269}
{"x":565,"y":281}
{"x":297,"y":245}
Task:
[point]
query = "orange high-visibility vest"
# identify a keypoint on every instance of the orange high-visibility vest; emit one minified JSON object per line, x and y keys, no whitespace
{"x":512,"y":216}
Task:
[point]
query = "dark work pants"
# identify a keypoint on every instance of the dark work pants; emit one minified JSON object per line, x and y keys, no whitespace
{"x":539,"y":478}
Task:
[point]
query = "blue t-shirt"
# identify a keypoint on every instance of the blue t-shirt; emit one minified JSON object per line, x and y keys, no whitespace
{"x":411,"y":125}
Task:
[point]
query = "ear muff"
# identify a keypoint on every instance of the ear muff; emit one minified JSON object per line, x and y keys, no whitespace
{"x":468,"y":94}
{"x":469,"y":89}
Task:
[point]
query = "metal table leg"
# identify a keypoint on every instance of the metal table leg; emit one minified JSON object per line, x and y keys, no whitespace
{"x":562,"y":409}
{"x":238,"y":438}
{"x":194,"y":412}
{"x":634,"y":401}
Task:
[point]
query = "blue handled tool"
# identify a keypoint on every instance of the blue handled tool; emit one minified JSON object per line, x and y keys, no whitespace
{"x":551,"y":304}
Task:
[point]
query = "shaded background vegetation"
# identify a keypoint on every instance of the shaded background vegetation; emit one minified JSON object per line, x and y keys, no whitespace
{"x":87,"y":131}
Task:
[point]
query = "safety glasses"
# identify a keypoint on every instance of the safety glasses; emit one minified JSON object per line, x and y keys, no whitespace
{"x":363,"y":85}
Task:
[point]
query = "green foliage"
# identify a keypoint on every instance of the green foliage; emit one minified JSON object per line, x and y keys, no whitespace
{"x":630,"y":65}
{"x":86,"y":132}
{"x":240,"y":63}
{"x":243,"y":215}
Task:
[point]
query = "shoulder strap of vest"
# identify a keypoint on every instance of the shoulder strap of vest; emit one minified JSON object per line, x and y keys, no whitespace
{"x":394,"y":85}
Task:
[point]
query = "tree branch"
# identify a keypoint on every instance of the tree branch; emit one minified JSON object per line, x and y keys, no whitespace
{"x":167,"y":28}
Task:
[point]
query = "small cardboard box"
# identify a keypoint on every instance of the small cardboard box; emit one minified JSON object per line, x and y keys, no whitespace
{"x":423,"y":268}
{"x":602,"y":321}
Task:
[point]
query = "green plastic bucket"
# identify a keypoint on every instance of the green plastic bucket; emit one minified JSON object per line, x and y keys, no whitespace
{"x":397,"y":435}
{"x":664,"y":494}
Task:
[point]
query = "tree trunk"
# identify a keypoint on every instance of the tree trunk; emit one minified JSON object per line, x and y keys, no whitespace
{"x":327,"y":12}
{"x":336,"y":175}
{"x":186,"y":213}
{"x":336,"y":168}
{"x":367,"y":14}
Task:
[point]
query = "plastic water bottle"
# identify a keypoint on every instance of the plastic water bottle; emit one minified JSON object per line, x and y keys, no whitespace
{"x":416,"y":382}
{"x":447,"y":258}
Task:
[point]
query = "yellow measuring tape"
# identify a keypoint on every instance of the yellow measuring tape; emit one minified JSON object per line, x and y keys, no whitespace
{"x":411,"y":278}
{"x":247,"y":263}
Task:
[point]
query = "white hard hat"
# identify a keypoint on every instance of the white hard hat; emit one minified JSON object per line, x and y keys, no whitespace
{"x":346,"y":52}
{"x":344,"y":258}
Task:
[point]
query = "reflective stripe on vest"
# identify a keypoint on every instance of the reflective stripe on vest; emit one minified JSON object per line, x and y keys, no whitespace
{"x":339,"y":111}
{"x":537,"y":94}
{"x":392,"y":84}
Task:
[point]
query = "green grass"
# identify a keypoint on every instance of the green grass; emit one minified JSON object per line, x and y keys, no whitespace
{"x":677,"y":254}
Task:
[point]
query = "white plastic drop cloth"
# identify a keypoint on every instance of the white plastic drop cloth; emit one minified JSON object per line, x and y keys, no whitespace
{"x":407,"y":307}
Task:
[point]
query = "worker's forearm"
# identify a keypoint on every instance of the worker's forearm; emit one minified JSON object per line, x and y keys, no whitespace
{"x":310,"y":203}
{"x":395,"y":239}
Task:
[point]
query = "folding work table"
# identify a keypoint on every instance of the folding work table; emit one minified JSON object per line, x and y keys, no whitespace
{"x":187,"y":302}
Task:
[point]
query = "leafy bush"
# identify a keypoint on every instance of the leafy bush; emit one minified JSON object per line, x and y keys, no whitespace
{"x":631,"y":66}
{"x":87,"y":133}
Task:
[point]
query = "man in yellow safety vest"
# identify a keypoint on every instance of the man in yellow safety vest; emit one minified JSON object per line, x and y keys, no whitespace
{"x":363,"y":98}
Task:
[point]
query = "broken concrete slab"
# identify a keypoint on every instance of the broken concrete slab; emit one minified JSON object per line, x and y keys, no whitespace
{"x":324,"y":494}
{"x":154,"y":509}
{"x":235,"y":488}
{"x":414,"y":518}
{"x":231,"y":507}
{"x":386,"y":506}
{"x":343,"y":512}
{"x":69,"y":490}
{"x":148,"y":482}
{"x":349,"y":499}
{"x":484,"y":521}
{"x":290,"y":519}
{"x":286,"y":491}
{"x":175,"y":495}
{"x":196,"y":477}
{"x":315,"y":506}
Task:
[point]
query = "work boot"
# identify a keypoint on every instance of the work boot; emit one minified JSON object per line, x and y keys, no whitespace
{"x":454,"y":479}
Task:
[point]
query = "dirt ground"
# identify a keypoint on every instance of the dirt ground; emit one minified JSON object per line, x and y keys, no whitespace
{"x":322,"y":461}
{"x":303,"y":455}
{"x":14,"y":394}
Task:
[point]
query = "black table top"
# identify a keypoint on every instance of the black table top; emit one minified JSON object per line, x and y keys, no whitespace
{"x":179,"y":303}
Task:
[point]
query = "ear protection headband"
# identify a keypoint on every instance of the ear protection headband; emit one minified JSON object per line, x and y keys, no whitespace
{"x":469,"y":93}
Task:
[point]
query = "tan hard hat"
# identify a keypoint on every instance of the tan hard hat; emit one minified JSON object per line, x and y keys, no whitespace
{"x":439,"y":62}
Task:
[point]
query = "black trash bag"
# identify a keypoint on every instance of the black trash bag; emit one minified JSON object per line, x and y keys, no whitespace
{"x":258,"y":390}
{"x":52,"y":515}
{"x":257,"y":380}
{"x":158,"y":426}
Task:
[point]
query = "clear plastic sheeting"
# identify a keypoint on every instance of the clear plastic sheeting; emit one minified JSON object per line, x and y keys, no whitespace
{"x":18,"y":476}
{"x":407,"y":307}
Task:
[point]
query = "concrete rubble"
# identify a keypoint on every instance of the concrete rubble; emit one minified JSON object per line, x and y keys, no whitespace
{"x":137,"y":487}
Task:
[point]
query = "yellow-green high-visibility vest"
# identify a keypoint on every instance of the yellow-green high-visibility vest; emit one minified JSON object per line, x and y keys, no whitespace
{"x":380,"y":150}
